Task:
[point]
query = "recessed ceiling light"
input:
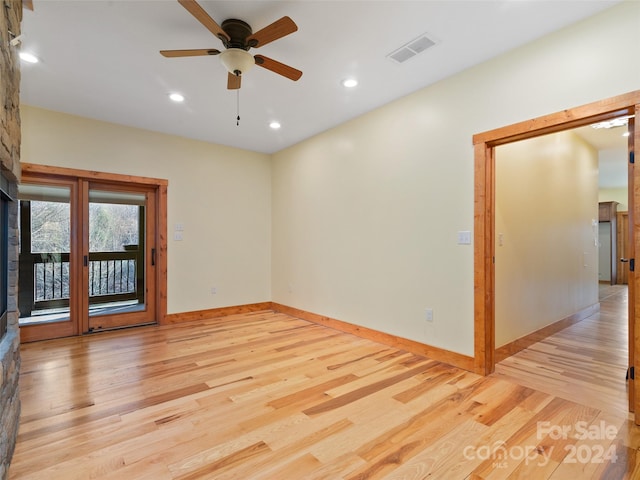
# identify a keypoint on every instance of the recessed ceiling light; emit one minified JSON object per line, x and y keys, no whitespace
{"x":176,"y":97}
{"x":275,"y":125}
{"x":349,"y":82}
{"x":616,"y":122}
{"x":29,"y":57}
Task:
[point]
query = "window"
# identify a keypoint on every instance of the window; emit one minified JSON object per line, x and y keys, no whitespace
{"x":4,"y":247}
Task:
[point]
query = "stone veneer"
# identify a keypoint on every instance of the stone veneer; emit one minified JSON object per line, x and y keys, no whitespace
{"x":10,"y":19}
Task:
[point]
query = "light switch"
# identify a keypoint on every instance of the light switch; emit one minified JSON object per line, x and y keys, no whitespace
{"x":464,"y":238}
{"x":177,"y":236}
{"x":179,"y":227}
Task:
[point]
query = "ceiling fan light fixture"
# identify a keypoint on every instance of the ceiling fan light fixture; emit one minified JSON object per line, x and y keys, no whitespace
{"x":237,"y":61}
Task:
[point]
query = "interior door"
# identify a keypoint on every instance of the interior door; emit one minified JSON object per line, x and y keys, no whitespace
{"x":119,"y":287}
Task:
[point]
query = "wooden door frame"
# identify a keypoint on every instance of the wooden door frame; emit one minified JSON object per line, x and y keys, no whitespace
{"x":484,"y":214}
{"x":160,"y":186}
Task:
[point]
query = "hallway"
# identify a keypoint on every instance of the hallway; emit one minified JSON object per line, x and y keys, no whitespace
{"x":584,"y":363}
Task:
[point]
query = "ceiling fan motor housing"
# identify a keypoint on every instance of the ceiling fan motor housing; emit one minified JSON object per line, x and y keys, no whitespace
{"x":238,"y":32}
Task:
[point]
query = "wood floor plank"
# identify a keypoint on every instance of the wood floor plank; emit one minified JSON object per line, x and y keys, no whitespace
{"x":269,"y":396}
{"x":586,"y":362}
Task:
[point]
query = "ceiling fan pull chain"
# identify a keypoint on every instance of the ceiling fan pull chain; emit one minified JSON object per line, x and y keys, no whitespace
{"x":238,"y":107}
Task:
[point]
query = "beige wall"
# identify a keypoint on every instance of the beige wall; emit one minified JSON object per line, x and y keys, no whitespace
{"x":546,"y":230}
{"x":366,"y":215}
{"x":221,"y":195}
{"x":620,"y":195}
{"x":363,"y":218}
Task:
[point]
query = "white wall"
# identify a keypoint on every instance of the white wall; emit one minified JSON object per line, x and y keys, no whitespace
{"x":221,"y":195}
{"x":365,"y":215}
{"x":546,"y":259}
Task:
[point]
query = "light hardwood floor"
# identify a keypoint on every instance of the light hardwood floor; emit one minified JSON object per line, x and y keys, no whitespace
{"x":269,"y":396}
{"x":586,"y":362}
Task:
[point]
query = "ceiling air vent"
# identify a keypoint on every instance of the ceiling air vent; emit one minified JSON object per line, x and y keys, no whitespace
{"x":411,"y":49}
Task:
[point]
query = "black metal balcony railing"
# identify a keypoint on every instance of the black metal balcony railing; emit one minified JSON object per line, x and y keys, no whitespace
{"x":113,"y":277}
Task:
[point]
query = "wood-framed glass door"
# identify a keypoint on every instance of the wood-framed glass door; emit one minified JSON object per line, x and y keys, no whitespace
{"x":118,"y":256}
{"x":91,"y":252}
{"x":49,"y":266}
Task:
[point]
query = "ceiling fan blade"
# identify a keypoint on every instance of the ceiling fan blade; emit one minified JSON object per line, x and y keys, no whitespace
{"x":189,"y":53}
{"x":277,"y":67}
{"x":278,"y":29}
{"x":233,"y":81}
{"x":203,"y":17}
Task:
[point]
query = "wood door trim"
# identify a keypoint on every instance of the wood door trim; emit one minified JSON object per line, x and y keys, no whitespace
{"x":484,"y":204}
{"x":566,"y":119}
{"x":34,"y":168}
{"x":634,"y":280}
{"x":160,"y":186}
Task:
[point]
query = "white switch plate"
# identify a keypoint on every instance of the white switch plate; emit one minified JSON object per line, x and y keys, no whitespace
{"x":464,"y":238}
{"x":177,"y":236}
{"x":179,"y":227}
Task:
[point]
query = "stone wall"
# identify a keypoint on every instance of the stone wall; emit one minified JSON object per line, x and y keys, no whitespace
{"x":10,"y":18}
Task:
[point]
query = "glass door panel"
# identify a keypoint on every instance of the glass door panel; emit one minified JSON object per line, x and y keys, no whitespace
{"x":45,"y":260}
{"x":117,"y":261}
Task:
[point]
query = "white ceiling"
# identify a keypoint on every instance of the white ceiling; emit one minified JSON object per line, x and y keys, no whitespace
{"x":612,"y":149}
{"x":99,"y":59}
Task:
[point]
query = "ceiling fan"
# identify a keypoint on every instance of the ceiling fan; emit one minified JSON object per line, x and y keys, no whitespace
{"x":237,"y":38}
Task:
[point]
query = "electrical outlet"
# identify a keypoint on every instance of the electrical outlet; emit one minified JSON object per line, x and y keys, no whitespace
{"x":429,"y":314}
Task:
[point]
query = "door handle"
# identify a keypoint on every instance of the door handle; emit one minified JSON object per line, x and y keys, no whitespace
{"x":624,"y":260}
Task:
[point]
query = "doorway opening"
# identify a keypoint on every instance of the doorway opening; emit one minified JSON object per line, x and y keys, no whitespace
{"x":484,"y":234}
{"x":558,"y":327}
